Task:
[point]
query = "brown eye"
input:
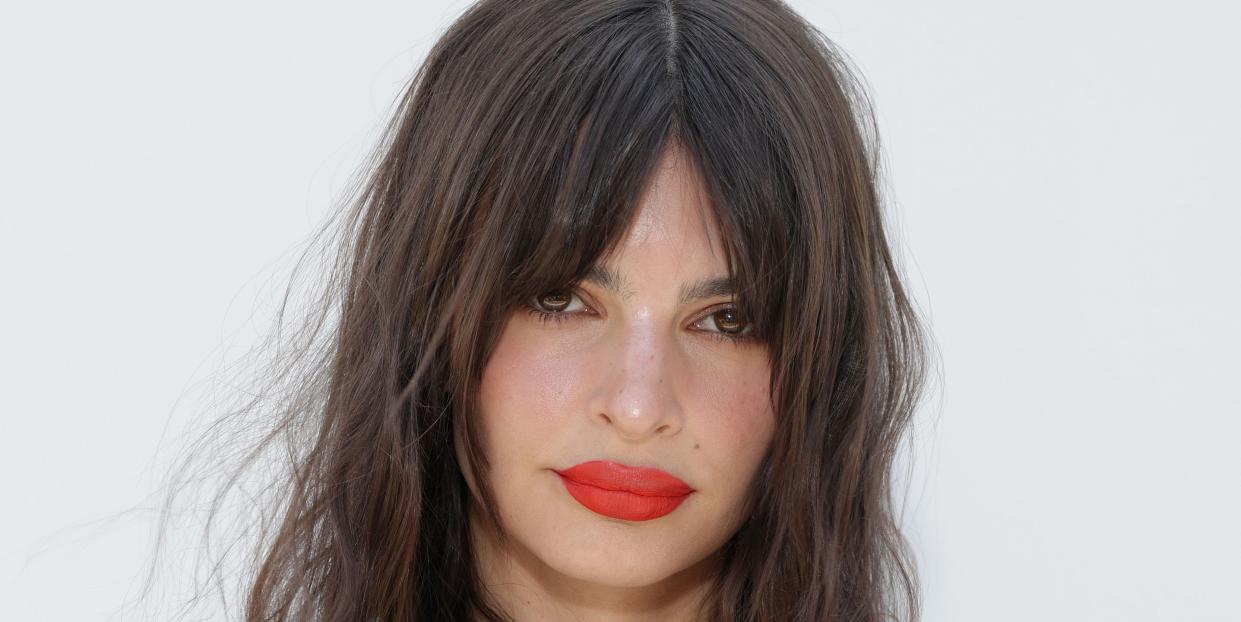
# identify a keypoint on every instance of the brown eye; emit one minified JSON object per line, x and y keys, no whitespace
{"x":729,"y":321}
{"x":554,"y":301}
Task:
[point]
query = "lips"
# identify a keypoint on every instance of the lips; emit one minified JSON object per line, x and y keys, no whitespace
{"x":625,"y":492}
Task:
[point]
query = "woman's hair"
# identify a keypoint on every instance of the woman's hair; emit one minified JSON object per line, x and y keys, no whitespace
{"x":516,"y":159}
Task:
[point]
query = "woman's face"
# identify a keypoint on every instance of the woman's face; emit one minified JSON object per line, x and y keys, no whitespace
{"x":635,"y":376}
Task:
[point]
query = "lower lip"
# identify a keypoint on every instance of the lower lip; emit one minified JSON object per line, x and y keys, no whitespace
{"x":620,"y":504}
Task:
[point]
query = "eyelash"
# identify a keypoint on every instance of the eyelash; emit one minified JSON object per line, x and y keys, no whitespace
{"x":556,"y":317}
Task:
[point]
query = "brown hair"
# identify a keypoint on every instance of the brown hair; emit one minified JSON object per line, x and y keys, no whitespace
{"x":514,"y":161}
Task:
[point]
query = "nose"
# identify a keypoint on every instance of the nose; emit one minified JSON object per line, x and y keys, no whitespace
{"x":637,"y":395}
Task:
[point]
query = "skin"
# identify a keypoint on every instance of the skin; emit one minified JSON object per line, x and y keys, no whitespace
{"x":636,"y":378}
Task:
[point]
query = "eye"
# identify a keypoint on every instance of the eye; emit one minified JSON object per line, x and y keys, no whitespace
{"x":732,"y":326}
{"x":557,"y":306}
{"x":553,"y":306}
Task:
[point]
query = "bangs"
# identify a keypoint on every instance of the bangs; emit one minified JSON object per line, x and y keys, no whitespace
{"x":548,"y":217}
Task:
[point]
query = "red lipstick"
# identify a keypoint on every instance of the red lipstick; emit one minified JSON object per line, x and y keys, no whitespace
{"x":625,"y":492}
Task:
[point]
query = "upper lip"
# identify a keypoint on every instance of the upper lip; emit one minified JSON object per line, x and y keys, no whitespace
{"x":643,"y":481}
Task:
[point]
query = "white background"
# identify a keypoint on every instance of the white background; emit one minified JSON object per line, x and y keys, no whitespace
{"x":1065,"y":175}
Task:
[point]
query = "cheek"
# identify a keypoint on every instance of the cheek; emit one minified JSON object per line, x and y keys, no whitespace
{"x":527,"y":385}
{"x":736,"y":398}
{"x":736,"y":425}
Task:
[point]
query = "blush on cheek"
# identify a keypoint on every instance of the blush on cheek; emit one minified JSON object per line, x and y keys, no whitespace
{"x":745,"y":415}
{"x":741,"y":410}
{"x":529,"y":371}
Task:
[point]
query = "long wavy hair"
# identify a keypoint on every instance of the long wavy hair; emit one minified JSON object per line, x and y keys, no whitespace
{"x":515,"y":159}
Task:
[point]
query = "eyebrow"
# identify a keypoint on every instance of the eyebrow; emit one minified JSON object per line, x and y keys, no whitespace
{"x":691,"y":292}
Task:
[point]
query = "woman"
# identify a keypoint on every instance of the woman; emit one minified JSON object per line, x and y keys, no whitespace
{"x":620,"y":337}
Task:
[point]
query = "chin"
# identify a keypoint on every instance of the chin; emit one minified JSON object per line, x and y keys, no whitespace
{"x":622,"y":565}
{"x":617,"y":571}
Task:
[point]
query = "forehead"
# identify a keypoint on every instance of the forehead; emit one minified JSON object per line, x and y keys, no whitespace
{"x":674,"y":214}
